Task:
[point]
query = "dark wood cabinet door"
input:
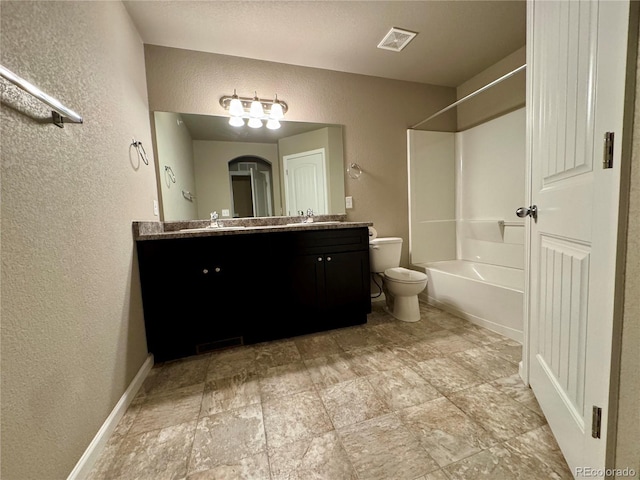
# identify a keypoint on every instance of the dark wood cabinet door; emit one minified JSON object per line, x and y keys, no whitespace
{"x":346,"y":282}
{"x":166,"y":283}
{"x":214,"y":301}
{"x":328,"y":290}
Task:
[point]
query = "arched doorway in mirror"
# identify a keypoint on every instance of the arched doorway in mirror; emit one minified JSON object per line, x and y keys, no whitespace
{"x":251,"y":183}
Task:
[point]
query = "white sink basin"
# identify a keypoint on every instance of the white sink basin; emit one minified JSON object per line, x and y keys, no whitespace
{"x":305,"y":224}
{"x":212,"y":229}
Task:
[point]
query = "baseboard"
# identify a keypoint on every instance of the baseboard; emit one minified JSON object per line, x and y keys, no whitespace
{"x":521,"y":373}
{"x":97,"y":445}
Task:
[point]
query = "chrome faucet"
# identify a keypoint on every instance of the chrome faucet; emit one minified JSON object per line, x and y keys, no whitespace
{"x":214,"y":220}
{"x":309,"y":216}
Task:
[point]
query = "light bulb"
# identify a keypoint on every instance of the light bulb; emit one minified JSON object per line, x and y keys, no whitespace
{"x":273,"y":124}
{"x":235,"y":107}
{"x":236,"y":121}
{"x":255,"y":123}
{"x":256,"y":108}
{"x":276,"y":111}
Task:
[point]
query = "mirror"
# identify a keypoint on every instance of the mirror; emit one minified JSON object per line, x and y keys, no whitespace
{"x":206,"y":165}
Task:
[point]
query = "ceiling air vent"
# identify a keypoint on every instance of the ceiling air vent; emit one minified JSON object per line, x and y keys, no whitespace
{"x":396,"y":39}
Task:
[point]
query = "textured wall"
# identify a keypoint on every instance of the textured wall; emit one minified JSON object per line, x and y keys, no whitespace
{"x":375,"y":113}
{"x":72,"y":327}
{"x":628,"y":438}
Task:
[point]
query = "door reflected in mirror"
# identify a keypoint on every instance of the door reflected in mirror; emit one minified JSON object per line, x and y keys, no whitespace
{"x":242,"y":172}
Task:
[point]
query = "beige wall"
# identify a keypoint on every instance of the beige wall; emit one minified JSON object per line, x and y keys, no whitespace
{"x":175,"y":150}
{"x":375,"y":113}
{"x":72,"y":327}
{"x":628,"y":428}
{"x":502,"y":98}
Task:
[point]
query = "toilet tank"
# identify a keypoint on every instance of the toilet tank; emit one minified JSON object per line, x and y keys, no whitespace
{"x":384,"y":253}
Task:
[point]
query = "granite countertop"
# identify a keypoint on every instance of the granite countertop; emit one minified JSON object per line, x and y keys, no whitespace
{"x":239,"y":226}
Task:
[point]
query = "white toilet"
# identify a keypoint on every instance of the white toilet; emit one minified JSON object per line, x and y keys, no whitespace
{"x":403,"y":284}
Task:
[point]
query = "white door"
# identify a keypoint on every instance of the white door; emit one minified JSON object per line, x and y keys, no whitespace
{"x":305,"y":182}
{"x":260,"y":193}
{"x":575,"y":80}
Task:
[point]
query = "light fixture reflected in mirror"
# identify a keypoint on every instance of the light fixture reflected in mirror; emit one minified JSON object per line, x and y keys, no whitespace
{"x":273,"y":124}
{"x":255,"y":110}
{"x":255,"y":122}
{"x":236,"y":121}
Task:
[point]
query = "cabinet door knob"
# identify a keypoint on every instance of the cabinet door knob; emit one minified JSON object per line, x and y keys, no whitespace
{"x":319,"y":259}
{"x":205,"y":271}
{"x":328,"y":259}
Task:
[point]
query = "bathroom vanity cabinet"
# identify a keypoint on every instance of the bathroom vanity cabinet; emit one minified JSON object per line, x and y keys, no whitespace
{"x":328,"y":277}
{"x":204,"y":293}
{"x":323,"y":283}
{"x":188,"y":287}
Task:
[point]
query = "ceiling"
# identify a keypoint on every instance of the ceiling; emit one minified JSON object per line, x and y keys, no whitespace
{"x":456,"y":39}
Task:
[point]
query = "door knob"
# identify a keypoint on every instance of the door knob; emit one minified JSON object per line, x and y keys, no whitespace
{"x":532,"y":212}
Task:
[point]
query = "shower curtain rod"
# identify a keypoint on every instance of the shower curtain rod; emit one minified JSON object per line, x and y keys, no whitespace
{"x":472,"y":94}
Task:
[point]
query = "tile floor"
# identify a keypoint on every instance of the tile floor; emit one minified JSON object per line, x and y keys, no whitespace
{"x":435,"y":400}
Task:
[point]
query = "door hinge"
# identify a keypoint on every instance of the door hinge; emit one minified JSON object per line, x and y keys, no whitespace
{"x":607,"y":159}
{"x":596,"y":422}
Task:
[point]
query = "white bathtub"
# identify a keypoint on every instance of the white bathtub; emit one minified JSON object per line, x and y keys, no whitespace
{"x":488,"y":295}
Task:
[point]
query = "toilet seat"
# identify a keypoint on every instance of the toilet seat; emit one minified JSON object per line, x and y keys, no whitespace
{"x":404,"y":275}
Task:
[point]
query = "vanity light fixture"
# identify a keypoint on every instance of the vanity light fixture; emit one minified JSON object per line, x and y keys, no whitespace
{"x":254,"y":122}
{"x":255,"y":110}
{"x":275,"y":115}
{"x":235,"y":105}
{"x":273,"y":124}
{"x":236,"y":121}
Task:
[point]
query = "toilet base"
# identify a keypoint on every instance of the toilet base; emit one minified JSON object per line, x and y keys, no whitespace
{"x":406,"y":309}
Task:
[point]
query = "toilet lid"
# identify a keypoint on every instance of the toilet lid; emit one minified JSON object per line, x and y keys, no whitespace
{"x":384,"y":240}
{"x":405,"y":275}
